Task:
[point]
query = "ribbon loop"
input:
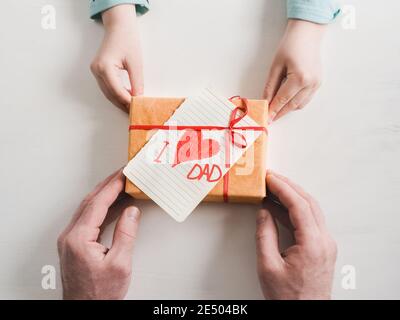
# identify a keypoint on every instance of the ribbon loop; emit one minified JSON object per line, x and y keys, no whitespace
{"x":239,"y":140}
{"x":235,"y":118}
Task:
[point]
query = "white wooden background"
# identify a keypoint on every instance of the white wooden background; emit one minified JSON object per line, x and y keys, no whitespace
{"x":59,"y":137}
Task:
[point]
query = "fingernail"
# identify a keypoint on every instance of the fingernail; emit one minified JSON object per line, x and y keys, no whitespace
{"x":263,"y":214}
{"x":271,"y":176}
{"x":270,"y":173}
{"x":133,"y":213}
{"x":271,"y":117}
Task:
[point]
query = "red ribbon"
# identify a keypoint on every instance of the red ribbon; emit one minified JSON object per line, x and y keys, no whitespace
{"x":234,"y":137}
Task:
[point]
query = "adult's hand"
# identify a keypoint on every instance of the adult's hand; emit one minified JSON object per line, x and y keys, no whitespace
{"x":295,"y":74}
{"x":119,"y":51}
{"x":89,"y":270}
{"x":305,"y":270}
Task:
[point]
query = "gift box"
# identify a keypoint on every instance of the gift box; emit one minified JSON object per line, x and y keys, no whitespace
{"x":246,"y":182}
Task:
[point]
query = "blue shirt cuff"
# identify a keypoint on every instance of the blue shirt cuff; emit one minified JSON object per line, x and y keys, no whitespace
{"x":98,"y":6}
{"x":318,"y":11}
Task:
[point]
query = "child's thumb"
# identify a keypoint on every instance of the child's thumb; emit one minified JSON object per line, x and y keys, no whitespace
{"x":135,"y":71}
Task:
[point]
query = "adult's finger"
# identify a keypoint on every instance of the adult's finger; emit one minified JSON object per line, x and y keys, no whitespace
{"x":102,"y":184}
{"x":299,"y":101}
{"x":87,"y":199}
{"x":125,"y":235}
{"x":267,"y":240}
{"x":274,"y":80}
{"x":135,"y":71}
{"x":288,"y":89}
{"x":300,"y":212}
{"x":115,"y":86}
{"x":97,"y":208}
{"x":316,"y":209}
{"x":278,"y":212}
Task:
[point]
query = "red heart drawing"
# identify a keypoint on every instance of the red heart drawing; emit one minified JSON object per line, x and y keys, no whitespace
{"x":192,"y":146}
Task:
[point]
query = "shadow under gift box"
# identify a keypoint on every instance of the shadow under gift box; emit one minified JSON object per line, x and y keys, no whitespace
{"x":246,"y":178}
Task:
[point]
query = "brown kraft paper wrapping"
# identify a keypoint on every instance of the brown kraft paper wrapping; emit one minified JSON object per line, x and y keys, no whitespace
{"x":246,"y":177}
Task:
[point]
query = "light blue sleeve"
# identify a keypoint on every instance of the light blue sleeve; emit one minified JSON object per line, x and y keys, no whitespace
{"x":98,"y":6}
{"x":318,"y":11}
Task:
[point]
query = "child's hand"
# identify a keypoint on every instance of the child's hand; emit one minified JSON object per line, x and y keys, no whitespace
{"x":295,"y":73}
{"x":119,"y":51}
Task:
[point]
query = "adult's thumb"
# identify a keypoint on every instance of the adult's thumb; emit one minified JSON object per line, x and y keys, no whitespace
{"x":267,"y":240}
{"x":125,"y":233}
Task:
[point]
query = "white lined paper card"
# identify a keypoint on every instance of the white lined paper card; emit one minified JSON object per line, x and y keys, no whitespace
{"x":178,"y":167}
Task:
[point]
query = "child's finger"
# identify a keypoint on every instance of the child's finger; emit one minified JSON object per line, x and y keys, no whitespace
{"x":289,"y":88}
{"x":273,"y":82}
{"x":115,"y":86}
{"x":104,"y":88}
{"x":298,"y":102}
